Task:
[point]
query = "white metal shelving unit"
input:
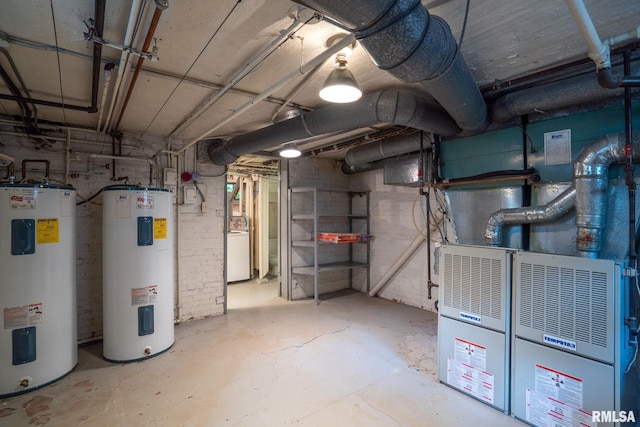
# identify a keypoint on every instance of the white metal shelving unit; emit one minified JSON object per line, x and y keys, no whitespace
{"x":308,"y":216}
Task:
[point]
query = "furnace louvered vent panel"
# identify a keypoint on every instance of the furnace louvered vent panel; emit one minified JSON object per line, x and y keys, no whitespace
{"x":474,"y":285}
{"x":566,"y":302}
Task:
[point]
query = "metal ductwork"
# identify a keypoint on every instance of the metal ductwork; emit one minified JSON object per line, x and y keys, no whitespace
{"x":402,"y":38}
{"x":553,"y":210}
{"x":384,"y":107}
{"x":561,"y":94}
{"x":363,"y":156}
{"x":588,"y":195}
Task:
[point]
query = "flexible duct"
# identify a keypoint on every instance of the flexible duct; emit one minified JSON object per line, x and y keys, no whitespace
{"x":387,"y":106}
{"x":553,"y":210}
{"x":402,"y":38}
{"x":588,"y":194}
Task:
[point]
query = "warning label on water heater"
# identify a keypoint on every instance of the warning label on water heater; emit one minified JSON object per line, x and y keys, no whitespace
{"x":48,"y":230}
{"x":22,"y":317}
{"x":160,"y":228}
{"x":144,"y":296}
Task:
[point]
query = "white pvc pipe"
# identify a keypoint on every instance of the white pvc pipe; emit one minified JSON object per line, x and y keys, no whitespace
{"x":598,"y":51}
{"x":105,"y":89}
{"x":133,"y":159}
{"x":417,"y":242}
{"x":124,"y":58}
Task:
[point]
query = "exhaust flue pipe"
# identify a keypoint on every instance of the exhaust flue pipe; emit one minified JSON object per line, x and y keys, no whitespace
{"x":588,"y":195}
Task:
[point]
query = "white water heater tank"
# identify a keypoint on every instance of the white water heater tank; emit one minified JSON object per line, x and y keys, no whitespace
{"x":38,"y":334}
{"x":138,"y":272}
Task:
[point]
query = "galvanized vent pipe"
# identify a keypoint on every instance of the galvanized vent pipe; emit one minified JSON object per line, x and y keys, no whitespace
{"x":588,"y":194}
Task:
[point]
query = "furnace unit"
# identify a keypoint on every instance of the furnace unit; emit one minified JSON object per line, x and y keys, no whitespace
{"x":474,"y":322}
{"x":571,"y":346}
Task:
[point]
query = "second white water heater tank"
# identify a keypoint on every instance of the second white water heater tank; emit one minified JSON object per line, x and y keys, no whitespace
{"x":138,"y":272}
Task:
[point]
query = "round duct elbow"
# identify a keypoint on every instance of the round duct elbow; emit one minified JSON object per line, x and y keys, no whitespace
{"x":220,"y":155}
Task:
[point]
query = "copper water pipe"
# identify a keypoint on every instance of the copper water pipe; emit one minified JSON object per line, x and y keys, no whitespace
{"x":161,"y":5}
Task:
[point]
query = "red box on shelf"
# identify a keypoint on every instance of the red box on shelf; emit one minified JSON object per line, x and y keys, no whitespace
{"x":338,"y":237}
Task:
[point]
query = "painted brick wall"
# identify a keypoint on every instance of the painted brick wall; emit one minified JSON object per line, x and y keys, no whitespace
{"x":325,"y":174}
{"x":201,"y":253}
{"x":201,"y":238}
{"x":393,"y":212}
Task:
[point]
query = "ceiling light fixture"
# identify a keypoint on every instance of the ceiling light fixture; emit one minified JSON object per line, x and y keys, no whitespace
{"x":290,"y":151}
{"x":341,"y":85}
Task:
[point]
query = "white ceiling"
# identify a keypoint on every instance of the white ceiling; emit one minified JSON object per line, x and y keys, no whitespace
{"x":203,"y":43}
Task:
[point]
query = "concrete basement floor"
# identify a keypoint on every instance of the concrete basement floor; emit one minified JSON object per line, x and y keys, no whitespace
{"x":353,"y":360}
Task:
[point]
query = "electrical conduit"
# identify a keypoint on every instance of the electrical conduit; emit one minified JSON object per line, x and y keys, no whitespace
{"x":284,"y":35}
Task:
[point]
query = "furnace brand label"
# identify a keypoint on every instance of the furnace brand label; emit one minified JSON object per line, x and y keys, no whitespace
{"x":47,"y":230}
{"x":559,"y":342}
{"x":470,"y":317}
{"x":22,"y":199}
{"x":22,"y":317}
